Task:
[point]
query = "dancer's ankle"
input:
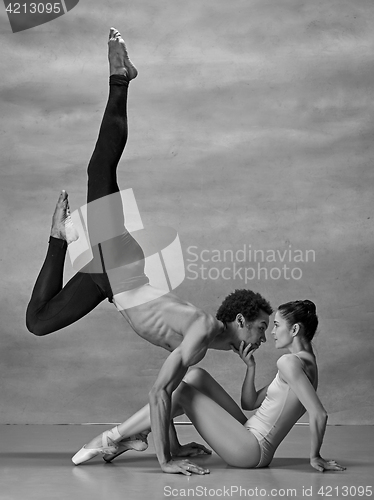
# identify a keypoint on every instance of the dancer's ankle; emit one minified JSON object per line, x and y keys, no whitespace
{"x":57,"y":242}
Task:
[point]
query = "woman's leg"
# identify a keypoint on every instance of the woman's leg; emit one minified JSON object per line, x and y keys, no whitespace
{"x":198,"y":378}
{"x":215,"y":414}
{"x":131,"y":435}
{"x":205,"y":383}
{"x":236,"y":445}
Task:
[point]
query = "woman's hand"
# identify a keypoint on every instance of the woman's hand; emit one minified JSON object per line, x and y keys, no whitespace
{"x":183,"y":467}
{"x":321,"y":465}
{"x":246,"y":354}
{"x":192,"y":450}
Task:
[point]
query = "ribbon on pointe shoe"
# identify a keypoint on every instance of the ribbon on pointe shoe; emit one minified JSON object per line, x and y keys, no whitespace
{"x":85,"y":454}
{"x":138,"y":442}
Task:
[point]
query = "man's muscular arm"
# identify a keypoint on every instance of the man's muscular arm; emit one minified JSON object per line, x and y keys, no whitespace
{"x":192,"y":350}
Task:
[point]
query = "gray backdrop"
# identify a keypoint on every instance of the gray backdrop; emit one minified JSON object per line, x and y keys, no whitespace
{"x":251,"y":127}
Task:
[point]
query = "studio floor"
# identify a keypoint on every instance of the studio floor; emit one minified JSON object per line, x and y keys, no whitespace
{"x":35,"y":464}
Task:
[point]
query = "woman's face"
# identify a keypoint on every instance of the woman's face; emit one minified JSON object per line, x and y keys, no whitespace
{"x":281,"y":332}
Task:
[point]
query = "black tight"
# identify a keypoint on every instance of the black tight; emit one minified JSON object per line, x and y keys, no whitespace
{"x":53,"y":306}
{"x":102,"y":168}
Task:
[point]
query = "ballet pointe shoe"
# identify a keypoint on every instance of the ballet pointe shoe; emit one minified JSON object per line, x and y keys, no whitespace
{"x":85,"y":454}
{"x":138,"y":443}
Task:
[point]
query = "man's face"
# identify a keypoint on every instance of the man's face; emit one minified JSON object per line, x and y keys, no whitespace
{"x":253,"y":332}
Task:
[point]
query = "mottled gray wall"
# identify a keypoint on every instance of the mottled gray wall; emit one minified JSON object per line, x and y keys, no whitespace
{"x":251,"y":124}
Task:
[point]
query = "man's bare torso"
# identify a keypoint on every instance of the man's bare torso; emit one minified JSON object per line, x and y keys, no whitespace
{"x":161,"y":318}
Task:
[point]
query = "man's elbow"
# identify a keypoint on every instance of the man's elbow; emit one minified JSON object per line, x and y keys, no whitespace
{"x":153,"y":394}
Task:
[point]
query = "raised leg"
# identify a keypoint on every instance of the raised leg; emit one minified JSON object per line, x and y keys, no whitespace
{"x":112,"y":246}
{"x":51,"y":306}
{"x":102,"y":168}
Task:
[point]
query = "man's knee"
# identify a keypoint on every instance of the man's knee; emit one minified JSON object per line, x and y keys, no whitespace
{"x":33,"y":326}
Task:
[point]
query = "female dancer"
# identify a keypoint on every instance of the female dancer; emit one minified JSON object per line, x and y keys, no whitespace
{"x":242,"y":442}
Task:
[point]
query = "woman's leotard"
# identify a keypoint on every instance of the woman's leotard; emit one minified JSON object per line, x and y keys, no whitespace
{"x":276,"y":416}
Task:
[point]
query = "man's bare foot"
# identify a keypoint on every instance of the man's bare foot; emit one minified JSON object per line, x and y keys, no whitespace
{"x":119,"y":62}
{"x":62,"y":225}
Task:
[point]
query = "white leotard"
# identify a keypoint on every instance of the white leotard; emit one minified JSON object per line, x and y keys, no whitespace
{"x":276,"y":416}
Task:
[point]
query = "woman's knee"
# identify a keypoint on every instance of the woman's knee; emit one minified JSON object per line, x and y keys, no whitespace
{"x":183,"y":393}
{"x":196,"y":375}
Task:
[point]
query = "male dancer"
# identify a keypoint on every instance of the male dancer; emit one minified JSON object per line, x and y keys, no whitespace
{"x":117,"y":273}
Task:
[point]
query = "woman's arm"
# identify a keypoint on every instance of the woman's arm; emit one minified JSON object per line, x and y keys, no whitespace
{"x":290,"y":369}
{"x":250,"y":398}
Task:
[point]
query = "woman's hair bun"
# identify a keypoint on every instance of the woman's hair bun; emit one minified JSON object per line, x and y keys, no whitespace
{"x":310,"y":306}
{"x":303,"y":312}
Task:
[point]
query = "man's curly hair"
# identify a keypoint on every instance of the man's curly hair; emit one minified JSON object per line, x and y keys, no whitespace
{"x":243,"y":301}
